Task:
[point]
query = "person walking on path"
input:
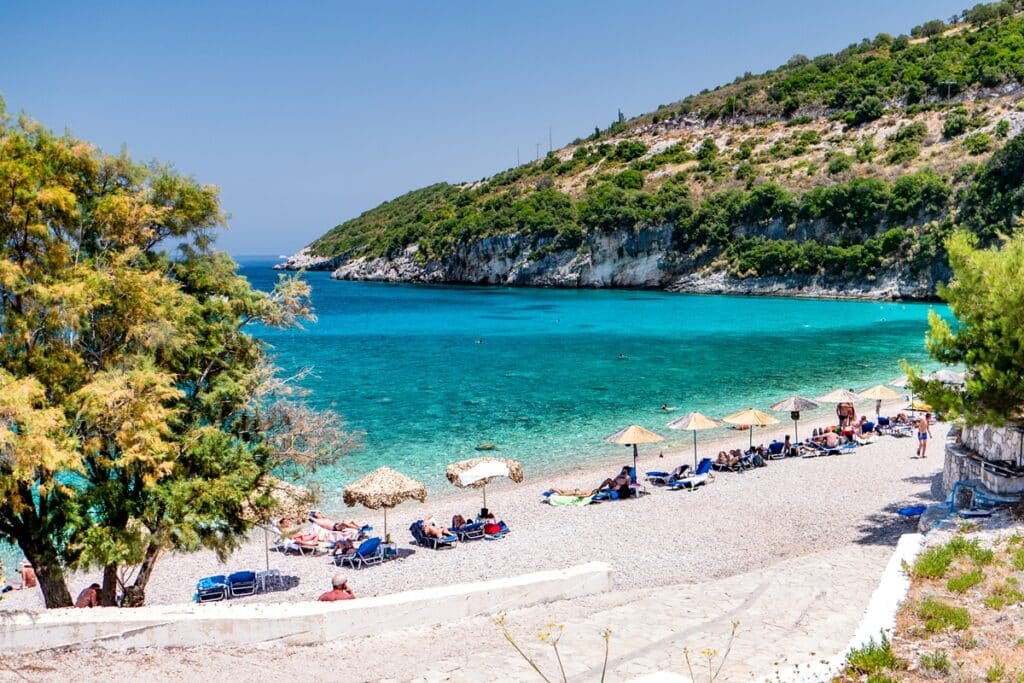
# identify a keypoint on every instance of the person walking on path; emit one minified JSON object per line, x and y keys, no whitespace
{"x":924,"y":432}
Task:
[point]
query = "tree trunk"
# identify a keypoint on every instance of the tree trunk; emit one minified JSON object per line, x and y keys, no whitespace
{"x":49,"y":573}
{"x":135,"y":594}
{"x":108,"y":594}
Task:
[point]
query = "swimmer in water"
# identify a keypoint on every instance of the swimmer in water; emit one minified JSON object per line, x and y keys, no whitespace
{"x":622,"y":356}
{"x":664,"y":406}
{"x":479,"y":341}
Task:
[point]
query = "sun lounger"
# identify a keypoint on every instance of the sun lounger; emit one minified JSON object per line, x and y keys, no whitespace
{"x":820,"y":449}
{"x":242,"y":583}
{"x":369,"y":552}
{"x":775,"y":450}
{"x":430,"y":541}
{"x":698,"y":477}
{"x":473,"y":531}
{"x":212,"y":588}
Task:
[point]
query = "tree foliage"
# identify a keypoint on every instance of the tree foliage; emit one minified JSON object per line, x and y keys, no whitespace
{"x":986,"y":295}
{"x":132,"y":420}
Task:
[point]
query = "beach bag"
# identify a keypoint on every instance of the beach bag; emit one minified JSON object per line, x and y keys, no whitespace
{"x":492,"y":529}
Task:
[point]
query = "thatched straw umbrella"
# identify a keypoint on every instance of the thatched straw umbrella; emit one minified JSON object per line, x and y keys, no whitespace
{"x":692,"y":422}
{"x":384,"y":488}
{"x":794,"y":404}
{"x":879,"y":393}
{"x":633,"y":435}
{"x":750,"y":418}
{"x":277,"y":498}
{"x":479,"y":472}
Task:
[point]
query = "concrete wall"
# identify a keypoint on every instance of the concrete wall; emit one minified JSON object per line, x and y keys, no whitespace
{"x":293,"y":624}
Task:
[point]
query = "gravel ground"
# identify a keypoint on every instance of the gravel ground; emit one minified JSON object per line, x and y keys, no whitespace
{"x":737,"y":523}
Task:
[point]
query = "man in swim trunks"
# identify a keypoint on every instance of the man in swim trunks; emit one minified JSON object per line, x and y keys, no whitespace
{"x":924,"y":431}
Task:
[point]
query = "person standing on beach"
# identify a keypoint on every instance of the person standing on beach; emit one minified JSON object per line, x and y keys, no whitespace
{"x":90,"y":597}
{"x":924,"y":432}
{"x":878,"y":410}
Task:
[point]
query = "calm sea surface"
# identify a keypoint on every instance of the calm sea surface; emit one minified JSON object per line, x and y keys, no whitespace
{"x":431,"y":372}
{"x":428,"y":373}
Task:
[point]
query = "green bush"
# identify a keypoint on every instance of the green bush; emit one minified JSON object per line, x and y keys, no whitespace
{"x":978,"y":143}
{"x":963,"y":582}
{"x":1002,"y":129}
{"x":839,"y":163}
{"x":873,"y":658}
{"x":627,"y":150}
{"x":937,"y":661}
{"x":629,"y":180}
{"x":938,"y":616}
{"x":902,"y":152}
{"x":956,"y":123}
{"x":869,"y":110}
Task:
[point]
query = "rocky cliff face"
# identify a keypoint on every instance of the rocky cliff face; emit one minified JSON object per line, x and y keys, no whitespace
{"x":622,"y":259}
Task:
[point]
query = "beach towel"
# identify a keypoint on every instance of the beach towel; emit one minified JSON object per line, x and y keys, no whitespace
{"x":566,"y":501}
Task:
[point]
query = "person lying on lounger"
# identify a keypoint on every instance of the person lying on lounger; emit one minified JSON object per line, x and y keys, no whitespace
{"x":292,"y":532}
{"x":830,"y":439}
{"x":320,"y":520}
{"x":432,"y":528}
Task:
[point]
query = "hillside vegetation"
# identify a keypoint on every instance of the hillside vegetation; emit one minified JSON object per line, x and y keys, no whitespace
{"x":841,"y":164}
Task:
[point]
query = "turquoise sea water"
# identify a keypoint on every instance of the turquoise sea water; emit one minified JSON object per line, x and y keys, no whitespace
{"x":430,"y":372}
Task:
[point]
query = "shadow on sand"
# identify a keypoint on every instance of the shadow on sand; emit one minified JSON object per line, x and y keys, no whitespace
{"x":886,"y":526}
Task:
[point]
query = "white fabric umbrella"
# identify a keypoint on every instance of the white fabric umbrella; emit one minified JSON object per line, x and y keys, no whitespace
{"x":483,"y":470}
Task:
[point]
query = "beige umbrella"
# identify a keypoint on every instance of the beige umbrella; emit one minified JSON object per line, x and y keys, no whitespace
{"x":272,"y":498}
{"x":692,"y":422}
{"x":633,"y":435}
{"x":383,"y":488}
{"x":879,"y":392}
{"x":794,"y":404}
{"x":750,"y":418}
{"x":840,"y":396}
{"x":479,"y":472}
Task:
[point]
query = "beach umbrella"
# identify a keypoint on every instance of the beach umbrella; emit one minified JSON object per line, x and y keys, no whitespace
{"x":693,"y":422}
{"x":479,"y":472}
{"x":383,"y":488}
{"x":750,"y":418}
{"x":879,"y":392}
{"x":947,"y":376}
{"x":633,"y":435}
{"x":277,"y":498}
{"x":840,"y":396}
{"x":794,"y":404}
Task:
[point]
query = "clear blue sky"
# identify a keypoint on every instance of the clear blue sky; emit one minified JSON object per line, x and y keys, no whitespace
{"x":308,"y":113}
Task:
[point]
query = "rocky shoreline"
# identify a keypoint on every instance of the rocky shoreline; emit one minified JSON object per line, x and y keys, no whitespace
{"x":620,"y":260}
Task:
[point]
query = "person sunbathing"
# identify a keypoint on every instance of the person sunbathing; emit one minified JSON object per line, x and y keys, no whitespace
{"x":573,"y":493}
{"x":435,"y":530}
{"x":289,"y":530}
{"x":730,"y":459}
{"x":830,"y":439}
{"x":320,"y":520}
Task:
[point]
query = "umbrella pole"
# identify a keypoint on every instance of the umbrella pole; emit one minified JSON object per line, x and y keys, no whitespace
{"x":694,"y":449}
{"x":634,"y":459}
{"x":751,"y":428}
{"x":385,"y":524}
{"x":484,"y":487}
{"x":796,"y":437}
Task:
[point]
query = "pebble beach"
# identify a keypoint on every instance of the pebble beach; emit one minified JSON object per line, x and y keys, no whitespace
{"x":739,"y":522}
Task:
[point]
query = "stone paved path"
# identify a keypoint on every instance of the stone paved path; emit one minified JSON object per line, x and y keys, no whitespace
{"x":797,"y":612}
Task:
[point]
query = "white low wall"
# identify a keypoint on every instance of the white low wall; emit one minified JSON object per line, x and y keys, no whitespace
{"x":304,"y":623}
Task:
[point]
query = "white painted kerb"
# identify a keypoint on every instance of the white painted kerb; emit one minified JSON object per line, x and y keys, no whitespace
{"x":294,"y":624}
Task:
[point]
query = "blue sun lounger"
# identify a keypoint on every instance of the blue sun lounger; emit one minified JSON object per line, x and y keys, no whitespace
{"x":430,"y":541}
{"x":699,"y":477}
{"x":369,"y":552}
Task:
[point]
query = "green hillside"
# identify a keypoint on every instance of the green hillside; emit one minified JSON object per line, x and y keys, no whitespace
{"x":842,"y":163}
